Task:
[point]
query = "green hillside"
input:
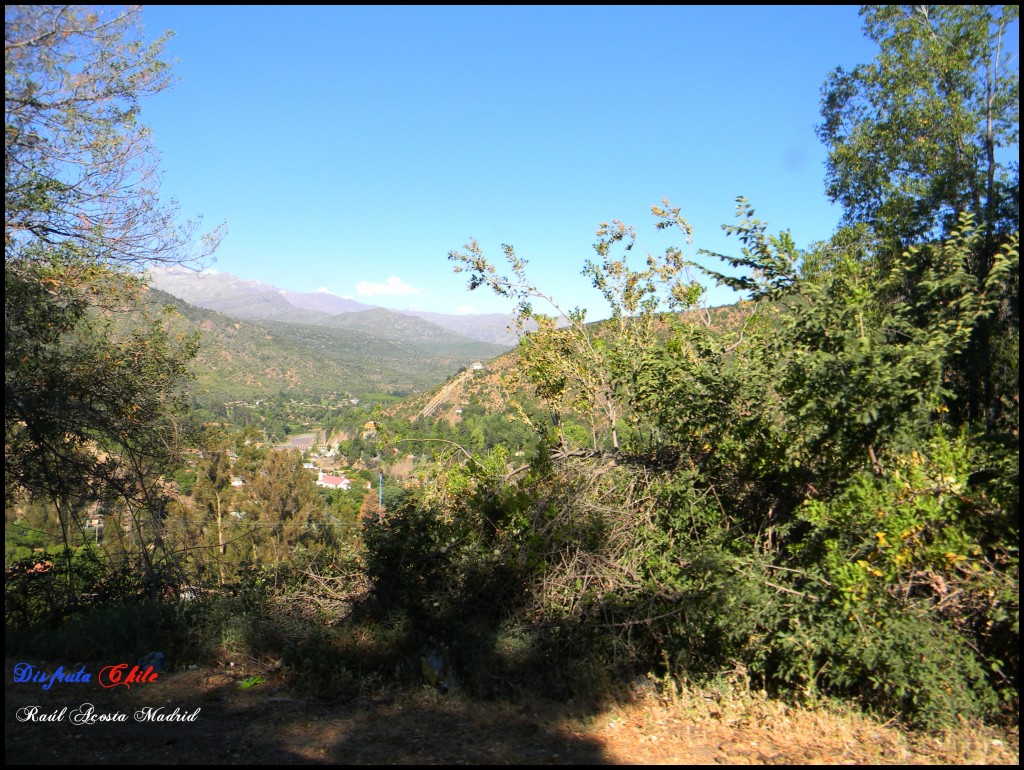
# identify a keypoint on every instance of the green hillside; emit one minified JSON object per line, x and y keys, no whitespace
{"x":240,"y":359}
{"x":388,"y":365}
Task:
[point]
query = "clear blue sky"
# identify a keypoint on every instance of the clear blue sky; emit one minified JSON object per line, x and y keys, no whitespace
{"x":348,"y":146}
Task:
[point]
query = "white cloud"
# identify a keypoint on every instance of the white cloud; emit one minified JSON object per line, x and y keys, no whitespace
{"x":325,"y":290}
{"x":393,"y":286}
{"x":465,"y":310}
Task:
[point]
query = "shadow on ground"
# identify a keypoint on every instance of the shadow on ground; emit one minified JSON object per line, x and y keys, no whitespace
{"x":265,"y":724}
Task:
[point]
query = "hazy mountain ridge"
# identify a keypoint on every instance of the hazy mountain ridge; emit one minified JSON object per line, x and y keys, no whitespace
{"x":487,"y":327}
{"x":264,"y":306}
{"x":323,"y":302}
{"x":240,"y":358}
{"x":258,"y":301}
{"x":392,"y":365}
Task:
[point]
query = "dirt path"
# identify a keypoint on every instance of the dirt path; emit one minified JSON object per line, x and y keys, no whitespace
{"x":265,"y":724}
{"x":444,"y":394}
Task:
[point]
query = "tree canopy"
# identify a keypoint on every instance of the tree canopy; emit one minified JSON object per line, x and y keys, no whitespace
{"x":915,"y":136}
{"x":80,"y":171}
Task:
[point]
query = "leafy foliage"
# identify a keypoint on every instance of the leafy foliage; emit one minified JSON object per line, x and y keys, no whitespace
{"x":90,"y":395}
{"x":781,"y":514}
{"x":917,"y":139}
{"x":913,"y":136}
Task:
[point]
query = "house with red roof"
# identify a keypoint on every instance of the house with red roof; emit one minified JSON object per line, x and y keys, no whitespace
{"x":333,"y":482}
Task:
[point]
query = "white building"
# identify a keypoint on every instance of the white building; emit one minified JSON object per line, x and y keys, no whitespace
{"x":333,"y":482}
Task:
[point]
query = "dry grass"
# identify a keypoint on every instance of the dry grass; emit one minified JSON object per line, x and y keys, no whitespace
{"x":733,"y":725}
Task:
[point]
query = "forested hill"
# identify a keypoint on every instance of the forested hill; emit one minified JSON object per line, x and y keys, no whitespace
{"x":242,"y":359}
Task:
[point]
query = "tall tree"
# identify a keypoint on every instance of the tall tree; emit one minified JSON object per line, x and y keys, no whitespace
{"x":212,"y":493}
{"x":90,"y":383}
{"x":917,"y":139}
{"x":287,"y":511}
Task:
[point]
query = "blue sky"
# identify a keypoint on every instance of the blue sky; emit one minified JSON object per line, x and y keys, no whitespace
{"x":350,"y":149}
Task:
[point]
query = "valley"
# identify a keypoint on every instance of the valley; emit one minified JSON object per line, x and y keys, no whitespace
{"x":720,"y":492}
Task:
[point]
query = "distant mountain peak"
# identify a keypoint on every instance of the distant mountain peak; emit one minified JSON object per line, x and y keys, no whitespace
{"x":257,"y":301}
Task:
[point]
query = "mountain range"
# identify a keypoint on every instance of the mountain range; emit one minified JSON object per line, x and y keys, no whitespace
{"x":256,"y":301}
{"x":258,"y":340}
